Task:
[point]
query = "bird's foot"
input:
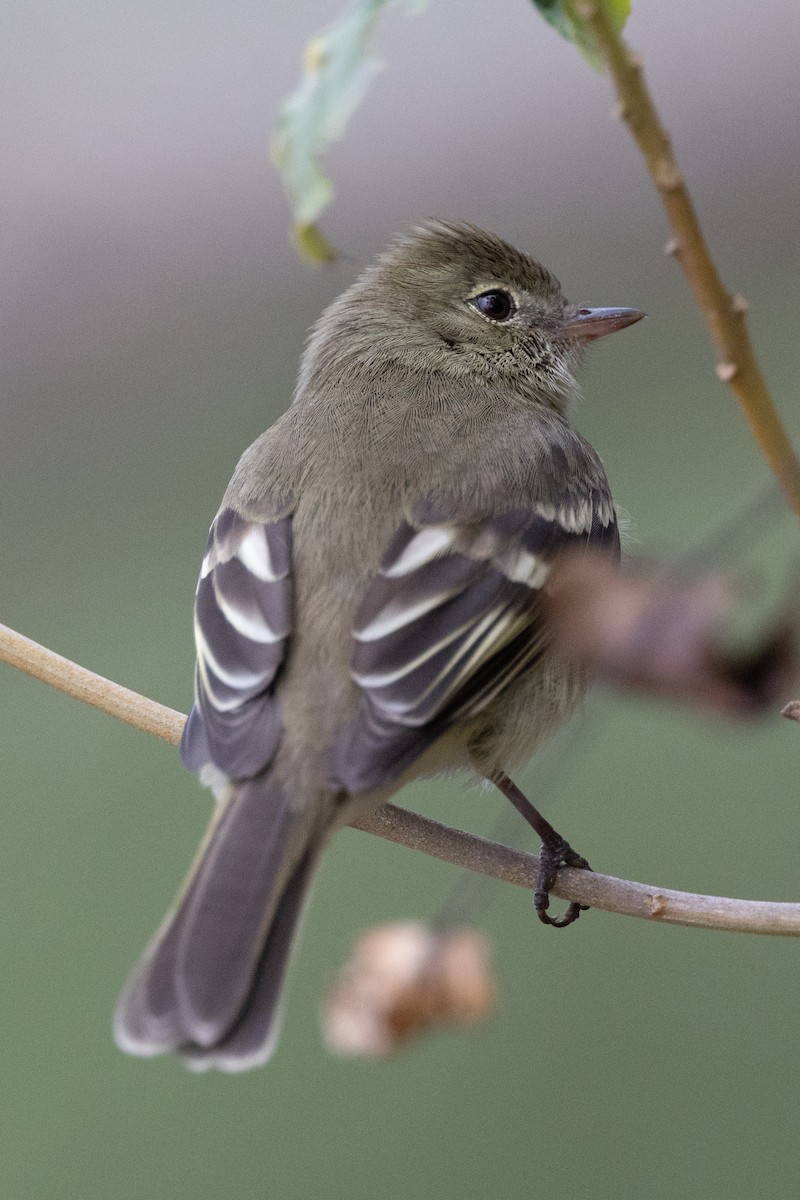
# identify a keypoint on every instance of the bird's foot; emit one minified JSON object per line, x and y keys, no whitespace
{"x":556,"y":852}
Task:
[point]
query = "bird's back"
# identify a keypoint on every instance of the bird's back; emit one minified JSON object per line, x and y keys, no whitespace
{"x":351,"y":470}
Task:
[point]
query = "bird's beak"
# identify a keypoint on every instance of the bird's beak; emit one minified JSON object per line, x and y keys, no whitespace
{"x":589,"y":323}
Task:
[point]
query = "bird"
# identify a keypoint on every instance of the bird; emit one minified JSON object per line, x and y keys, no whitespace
{"x":370,"y":606}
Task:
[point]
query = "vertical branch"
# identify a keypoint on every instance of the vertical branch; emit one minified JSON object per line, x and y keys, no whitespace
{"x":724,"y":314}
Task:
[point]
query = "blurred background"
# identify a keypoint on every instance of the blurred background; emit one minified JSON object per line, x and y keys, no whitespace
{"x":152,"y":315}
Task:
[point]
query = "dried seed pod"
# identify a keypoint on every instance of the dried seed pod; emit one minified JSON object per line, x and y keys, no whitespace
{"x":402,"y":979}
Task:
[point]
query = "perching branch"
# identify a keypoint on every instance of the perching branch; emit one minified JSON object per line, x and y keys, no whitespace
{"x":621,"y":896}
{"x":420,"y":833}
{"x":724,"y":314}
{"x":111,"y":698}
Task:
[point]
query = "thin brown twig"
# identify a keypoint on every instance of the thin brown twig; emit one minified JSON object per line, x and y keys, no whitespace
{"x":420,"y":833}
{"x":120,"y":702}
{"x":724,"y":314}
{"x":621,"y":896}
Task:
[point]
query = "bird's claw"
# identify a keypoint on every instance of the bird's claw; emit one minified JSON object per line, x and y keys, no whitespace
{"x":556,"y":853}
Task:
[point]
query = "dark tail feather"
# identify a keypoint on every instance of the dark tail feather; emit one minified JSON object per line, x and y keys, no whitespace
{"x":209,"y":984}
{"x":253,"y":1038}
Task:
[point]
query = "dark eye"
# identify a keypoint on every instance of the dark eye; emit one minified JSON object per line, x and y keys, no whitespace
{"x":497,"y":305}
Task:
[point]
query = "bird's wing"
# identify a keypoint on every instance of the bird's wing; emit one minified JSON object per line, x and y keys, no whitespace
{"x":242,"y":617}
{"x":453,"y":615}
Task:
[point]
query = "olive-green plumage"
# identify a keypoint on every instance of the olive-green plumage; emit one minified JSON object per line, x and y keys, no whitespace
{"x":419,"y":486}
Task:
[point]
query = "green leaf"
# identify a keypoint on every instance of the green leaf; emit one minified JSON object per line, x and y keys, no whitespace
{"x":560,"y":14}
{"x":313,"y":245}
{"x":337,"y":70}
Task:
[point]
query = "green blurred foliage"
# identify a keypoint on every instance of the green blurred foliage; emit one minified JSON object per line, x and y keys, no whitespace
{"x":562,"y":17}
{"x":337,"y":70}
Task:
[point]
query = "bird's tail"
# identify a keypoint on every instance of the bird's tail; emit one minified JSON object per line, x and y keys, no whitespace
{"x":208,"y":986}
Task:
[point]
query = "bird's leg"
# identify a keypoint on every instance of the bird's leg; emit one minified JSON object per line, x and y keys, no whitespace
{"x":556,"y":852}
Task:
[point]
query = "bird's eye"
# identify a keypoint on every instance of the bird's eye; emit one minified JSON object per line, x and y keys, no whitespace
{"x":496,"y":304}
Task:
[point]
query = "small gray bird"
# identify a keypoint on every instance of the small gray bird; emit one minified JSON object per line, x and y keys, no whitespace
{"x":369,"y":609}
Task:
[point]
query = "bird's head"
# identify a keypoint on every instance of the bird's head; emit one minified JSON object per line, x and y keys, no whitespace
{"x":450,"y":298}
